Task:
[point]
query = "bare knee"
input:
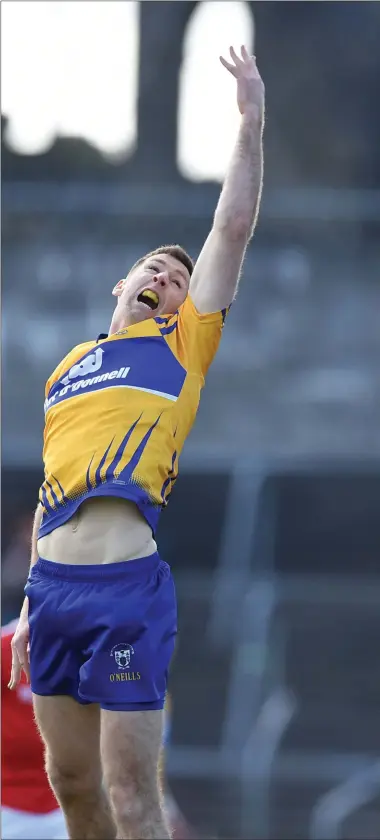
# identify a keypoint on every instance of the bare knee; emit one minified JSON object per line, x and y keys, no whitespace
{"x":125,"y":799}
{"x":130,"y":750}
{"x":70,"y":783}
{"x":131,"y":801}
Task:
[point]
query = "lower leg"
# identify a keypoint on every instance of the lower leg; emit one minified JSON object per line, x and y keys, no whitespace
{"x":71,"y":733}
{"x":131,"y":748}
{"x":84,"y":804}
{"x":138,"y":816}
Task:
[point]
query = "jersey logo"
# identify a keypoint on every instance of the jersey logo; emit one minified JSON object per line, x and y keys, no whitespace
{"x":140,"y":364}
{"x":89,"y":365}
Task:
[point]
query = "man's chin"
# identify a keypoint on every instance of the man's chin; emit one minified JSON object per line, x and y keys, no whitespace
{"x":143,"y":313}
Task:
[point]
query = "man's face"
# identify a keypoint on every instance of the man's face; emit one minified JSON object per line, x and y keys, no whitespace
{"x":156,"y":287}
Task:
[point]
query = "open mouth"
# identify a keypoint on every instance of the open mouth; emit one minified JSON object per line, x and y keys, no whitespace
{"x":150,"y":298}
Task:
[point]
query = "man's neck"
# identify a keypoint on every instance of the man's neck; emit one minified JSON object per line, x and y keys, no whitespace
{"x":118,"y":323}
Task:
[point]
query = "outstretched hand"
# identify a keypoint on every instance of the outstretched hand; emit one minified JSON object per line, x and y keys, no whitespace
{"x":250,"y":87}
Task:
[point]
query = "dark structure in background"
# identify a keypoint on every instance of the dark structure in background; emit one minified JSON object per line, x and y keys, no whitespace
{"x":331,"y":138}
{"x":335,"y":65}
{"x":276,"y":682}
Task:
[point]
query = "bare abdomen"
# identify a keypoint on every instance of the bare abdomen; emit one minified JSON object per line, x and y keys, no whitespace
{"x":104,"y":530}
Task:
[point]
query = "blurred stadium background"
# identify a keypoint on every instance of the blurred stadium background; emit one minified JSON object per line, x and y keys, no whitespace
{"x":116,"y":129}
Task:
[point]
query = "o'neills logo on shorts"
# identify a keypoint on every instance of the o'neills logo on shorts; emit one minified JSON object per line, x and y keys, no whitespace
{"x":125,"y":676}
{"x":122,"y":654}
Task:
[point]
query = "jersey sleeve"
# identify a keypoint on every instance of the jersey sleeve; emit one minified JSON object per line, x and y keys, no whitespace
{"x":56,"y":374}
{"x":200,"y":335}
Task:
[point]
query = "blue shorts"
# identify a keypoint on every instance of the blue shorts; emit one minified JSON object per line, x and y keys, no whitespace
{"x":102,"y":634}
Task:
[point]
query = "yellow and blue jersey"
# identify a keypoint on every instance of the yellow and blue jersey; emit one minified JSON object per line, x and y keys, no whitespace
{"x":118,"y":411}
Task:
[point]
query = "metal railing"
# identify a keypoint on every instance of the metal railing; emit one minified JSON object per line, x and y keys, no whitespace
{"x":115,"y":199}
{"x":342,"y":801}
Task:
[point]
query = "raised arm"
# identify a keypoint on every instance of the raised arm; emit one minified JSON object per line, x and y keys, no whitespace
{"x":216,"y":274}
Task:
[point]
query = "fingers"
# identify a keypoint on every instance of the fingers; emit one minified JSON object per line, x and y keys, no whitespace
{"x":239,"y":63}
{"x":20,"y":662}
{"x":235,"y":57}
{"x":15,"y":674}
{"x":230,"y":67}
{"x":245,"y":54}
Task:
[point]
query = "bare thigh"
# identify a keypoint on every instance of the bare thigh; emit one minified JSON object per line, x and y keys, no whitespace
{"x":131,"y":745}
{"x":71,"y":733}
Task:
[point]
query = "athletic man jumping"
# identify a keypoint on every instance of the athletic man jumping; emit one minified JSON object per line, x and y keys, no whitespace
{"x":97,"y":628}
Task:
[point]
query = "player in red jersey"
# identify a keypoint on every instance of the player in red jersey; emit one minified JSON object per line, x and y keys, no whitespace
{"x":28,"y":805}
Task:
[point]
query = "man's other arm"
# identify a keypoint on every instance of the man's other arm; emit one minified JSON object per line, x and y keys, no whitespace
{"x":20,"y":641}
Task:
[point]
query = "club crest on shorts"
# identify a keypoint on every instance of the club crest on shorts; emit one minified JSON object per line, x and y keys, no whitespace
{"x":122,"y":655}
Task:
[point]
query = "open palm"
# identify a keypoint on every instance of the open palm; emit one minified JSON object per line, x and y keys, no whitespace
{"x":250,"y":87}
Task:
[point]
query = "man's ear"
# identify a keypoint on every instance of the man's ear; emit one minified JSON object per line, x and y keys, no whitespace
{"x":118,"y":288}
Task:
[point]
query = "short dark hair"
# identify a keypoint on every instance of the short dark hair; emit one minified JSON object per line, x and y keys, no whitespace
{"x":175,"y":251}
